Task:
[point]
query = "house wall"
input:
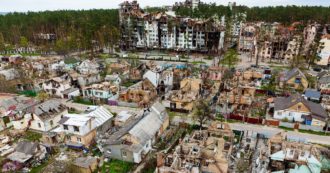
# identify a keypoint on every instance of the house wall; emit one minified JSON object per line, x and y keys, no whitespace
{"x":20,"y":124}
{"x":291,"y":82}
{"x":290,"y":115}
{"x":74,"y":94}
{"x":46,"y":125}
{"x":102,"y":94}
{"x":48,"y":87}
{"x":117,"y":153}
{"x":316,"y":122}
{"x":86,"y":140}
{"x":324,"y":52}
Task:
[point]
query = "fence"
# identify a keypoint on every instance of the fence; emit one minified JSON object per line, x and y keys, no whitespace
{"x":127,"y":104}
{"x":308,"y":127}
{"x":287,"y":125}
{"x":251,"y":120}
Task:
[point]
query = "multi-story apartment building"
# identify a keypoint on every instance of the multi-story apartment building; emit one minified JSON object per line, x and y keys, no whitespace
{"x":163,"y":30}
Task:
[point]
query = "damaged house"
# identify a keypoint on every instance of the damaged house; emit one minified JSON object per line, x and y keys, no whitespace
{"x":79,"y":130}
{"x":102,"y":91}
{"x":141,"y":93}
{"x":183,"y":99}
{"x":41,"y":117}
{"x":56,"y":86}
{"x":294,"y":79}
{"x":134,"y":140}
{"x":202,"y":151}
{"x":293,"y":157}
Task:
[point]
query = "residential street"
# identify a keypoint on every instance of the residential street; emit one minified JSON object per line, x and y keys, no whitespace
{"x":291,"y":135}
{"x":268,"y":131}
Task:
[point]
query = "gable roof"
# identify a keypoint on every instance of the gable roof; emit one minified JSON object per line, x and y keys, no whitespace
{"x":318,"y":112}
{"x":143,"y":128}
{"x":291,"y":73}
{"x":47,"y":109}
{"x":26,"y":147}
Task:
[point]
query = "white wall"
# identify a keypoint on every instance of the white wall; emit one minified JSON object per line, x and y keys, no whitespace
{"x":290,"y":115}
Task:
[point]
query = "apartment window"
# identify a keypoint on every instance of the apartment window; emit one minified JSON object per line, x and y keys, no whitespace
{"x":76,"y":129}
{"x":39,"y":125}
{"x":79,"y":139}
{"x":65,"y":127}
{"x":124,"y":154}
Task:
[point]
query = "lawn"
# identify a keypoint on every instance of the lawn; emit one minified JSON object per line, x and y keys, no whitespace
{"x":285,"y":128}
{"x":314,"y":132}
{"x":39,"y":168}
{"x":32,"y":136}
{"x":116,"y":166}
{"x":82,"y":101}
{"x":128,"y":83}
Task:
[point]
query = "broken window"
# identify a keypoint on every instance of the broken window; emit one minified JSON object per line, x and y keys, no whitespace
{"x":76,"y":129}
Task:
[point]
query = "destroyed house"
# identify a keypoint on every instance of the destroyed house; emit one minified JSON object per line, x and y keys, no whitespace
{"x":134,"y":140}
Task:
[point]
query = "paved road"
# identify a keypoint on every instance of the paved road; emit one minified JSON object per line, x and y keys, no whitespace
{"x":290,"y":134}
{"x":267,"y":131}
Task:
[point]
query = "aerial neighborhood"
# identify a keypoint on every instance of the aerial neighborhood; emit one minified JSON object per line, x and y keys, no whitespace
{"x":192,"y":87}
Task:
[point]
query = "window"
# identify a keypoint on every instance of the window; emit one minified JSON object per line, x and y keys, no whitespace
{"x":68,"y":138}
{"x":279,"y":113}
{"x":39,"y":125}
{"x":78,"y":139}
{"x":65,"y":127}
{"x":299,"y":107}
{"x":51,"y":123}
{"x":124,"y":154}
{"x":76,"y":129}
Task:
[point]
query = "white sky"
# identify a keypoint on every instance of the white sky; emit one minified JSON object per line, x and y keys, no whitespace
{"x":42,"y":5}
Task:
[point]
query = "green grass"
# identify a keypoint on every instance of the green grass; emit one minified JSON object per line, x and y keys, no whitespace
{"x":285,"y":128}
{"x":128,"y":84}
{"x":39,"y":168}
{"x":198,"y":62}
{"x":116,"y":166}
{"x":314,"y":132}
{"x":82,"y":101}
{"x":28,"y":93}
{"x":32,"y":136}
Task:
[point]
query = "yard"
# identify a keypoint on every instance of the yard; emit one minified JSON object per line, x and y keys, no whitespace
{"x":32,"y":136}
{"x":116,"y":166}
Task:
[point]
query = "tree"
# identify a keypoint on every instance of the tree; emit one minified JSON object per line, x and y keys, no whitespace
{"x":297,"y":62}
{"x":202,"y":112}
{"x":230,"y":59}
{"x":23,"y":42}
{"x":42,"y":96}
{"x":2,"y":43}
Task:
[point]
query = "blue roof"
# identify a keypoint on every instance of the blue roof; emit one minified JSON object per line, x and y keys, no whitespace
{"x":309,"y":93}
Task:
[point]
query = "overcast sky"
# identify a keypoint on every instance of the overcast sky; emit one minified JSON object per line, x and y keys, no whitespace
{"x":42,"y":5}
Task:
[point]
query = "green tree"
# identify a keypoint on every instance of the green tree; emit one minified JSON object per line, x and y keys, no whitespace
{"x":202,"y":112}
{"x":230,"y":58}
{"x":42,"y":96}
{"x":2,"y":43}
{"x":24,"y":42}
